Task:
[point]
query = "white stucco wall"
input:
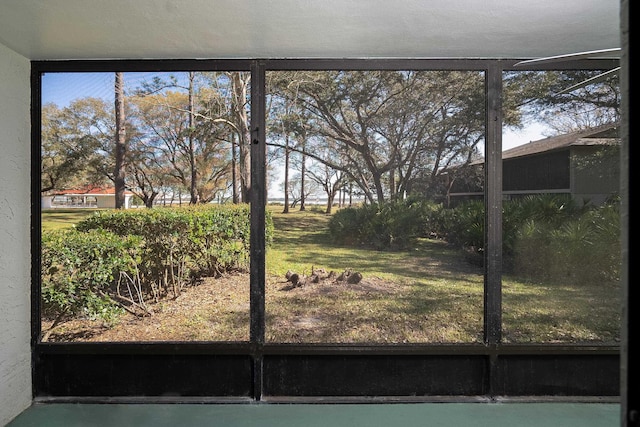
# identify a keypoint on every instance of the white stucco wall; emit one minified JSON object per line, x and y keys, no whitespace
{"x":15,"y":353}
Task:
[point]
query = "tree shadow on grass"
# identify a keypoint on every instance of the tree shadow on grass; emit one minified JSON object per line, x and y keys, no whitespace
{"x":304,"y":238}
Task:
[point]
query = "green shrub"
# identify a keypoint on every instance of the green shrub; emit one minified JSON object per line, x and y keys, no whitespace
{"x":544,"y":237}
{"x":345,"y":224}
{"x":146,"y":253}
{"x":385,"y":226}
{"x":463,"y":226}
{"x":80,"y":271}
{"x":584,"y":249}
{"x":182,"y":244}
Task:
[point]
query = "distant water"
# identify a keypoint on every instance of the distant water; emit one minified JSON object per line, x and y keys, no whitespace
{"x":312,"y":201}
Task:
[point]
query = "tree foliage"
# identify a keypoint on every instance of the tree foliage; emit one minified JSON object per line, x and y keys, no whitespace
{"x":388,"y":134}
{"x":539,"y":96}
{"x":74,"y":139}
{"x":373,"y":124}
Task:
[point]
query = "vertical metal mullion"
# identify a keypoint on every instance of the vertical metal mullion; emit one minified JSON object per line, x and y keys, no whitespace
{"x":36,"y":219}
{"x":629,"y":389}
{"x":493,"y":207}
{"x":258,"y":194}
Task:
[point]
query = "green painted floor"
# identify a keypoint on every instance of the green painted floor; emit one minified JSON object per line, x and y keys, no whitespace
{"x":331,"y":415}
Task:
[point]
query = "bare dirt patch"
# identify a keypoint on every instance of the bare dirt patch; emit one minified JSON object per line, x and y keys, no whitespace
{"x":217,"y":309}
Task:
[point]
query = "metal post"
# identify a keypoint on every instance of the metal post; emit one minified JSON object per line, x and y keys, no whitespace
{"x":493,"y":207}
{"x":258,"y":202}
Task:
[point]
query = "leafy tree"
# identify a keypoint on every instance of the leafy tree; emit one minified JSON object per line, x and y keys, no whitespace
{"x":376,"y":122}
{"x":311,"y":189}
{"x":147,"y":171}
{"x":330,"y":180}
{"x":65,"y":154}
{"x":542,"y":96}
{"x":288,"y":131}
{"x":215,"y":102}
{"x":180,"y":151}
{"x":75,"y":142}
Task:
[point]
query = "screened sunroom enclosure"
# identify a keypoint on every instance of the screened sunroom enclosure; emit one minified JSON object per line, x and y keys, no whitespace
{"x":368,"y":131}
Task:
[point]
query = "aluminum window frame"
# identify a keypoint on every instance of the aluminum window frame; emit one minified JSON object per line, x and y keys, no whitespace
{"x":257,"y":371}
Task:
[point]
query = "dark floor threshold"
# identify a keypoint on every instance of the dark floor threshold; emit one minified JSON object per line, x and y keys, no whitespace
{"x":323,"y":399}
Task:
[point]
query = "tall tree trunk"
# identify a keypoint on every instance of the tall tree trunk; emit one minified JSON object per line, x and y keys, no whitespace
{"x":239,"y":88}
{"x":392,"y":184}
{"x":287,"y":154}
{"x":120,"y":143}
{"x":148,"y":201}
{"x":193,"y":189}
{"x":303,"y":174}
{"x":377,"y":181}
{"x":234,"y":174}
{"x":330,"y":197}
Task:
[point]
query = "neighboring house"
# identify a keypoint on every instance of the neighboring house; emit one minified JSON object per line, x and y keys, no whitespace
{"x":88,"y":197}
{"x":583,"y":164}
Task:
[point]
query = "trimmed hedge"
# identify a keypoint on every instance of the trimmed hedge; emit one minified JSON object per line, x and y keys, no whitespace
{"x":80,"y":271}
{"x":196,"y":241}
{"x":155,"y":251}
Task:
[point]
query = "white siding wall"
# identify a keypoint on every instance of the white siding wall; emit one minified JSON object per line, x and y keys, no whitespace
{"x":15,"y":259}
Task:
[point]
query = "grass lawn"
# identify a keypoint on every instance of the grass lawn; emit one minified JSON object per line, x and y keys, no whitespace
{"x":56,"y":219}
{"x":430,"y":294}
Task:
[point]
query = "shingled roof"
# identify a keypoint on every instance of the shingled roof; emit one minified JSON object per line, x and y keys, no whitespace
{"x":600,"y":135}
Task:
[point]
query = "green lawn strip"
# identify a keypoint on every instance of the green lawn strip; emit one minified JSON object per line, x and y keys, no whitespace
{"x":555,"y":313}
{"x":429,"y":301}
{"x":56,"y":219}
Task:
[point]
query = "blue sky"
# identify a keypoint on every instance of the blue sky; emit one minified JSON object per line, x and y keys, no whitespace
{"x":63,"y":88}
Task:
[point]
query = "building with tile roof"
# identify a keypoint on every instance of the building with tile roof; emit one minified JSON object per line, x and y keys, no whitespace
{"x":86,"y":197}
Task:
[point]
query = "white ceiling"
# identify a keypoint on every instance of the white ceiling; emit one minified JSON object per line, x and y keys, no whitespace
{"x":141,"y":29}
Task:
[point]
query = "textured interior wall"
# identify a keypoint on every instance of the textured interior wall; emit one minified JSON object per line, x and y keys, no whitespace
{"x":15,"y":258}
